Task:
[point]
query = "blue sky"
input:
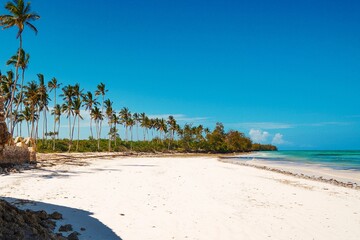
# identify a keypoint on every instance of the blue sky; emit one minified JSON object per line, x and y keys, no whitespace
{"x":281,"y":71}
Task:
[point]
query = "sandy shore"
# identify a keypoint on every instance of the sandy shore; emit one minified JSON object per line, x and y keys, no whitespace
{"x":185,"y":198}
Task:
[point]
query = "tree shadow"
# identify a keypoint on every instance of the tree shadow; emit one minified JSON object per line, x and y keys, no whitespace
{"x":81,"y":220}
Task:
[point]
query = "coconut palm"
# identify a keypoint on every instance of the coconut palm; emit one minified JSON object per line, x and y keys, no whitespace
{"x":101,"y":90}
{"x":109,"y":114}
{"x":67,"y":107}
{"x":172,"y":125}
{"x":57,"y":116}
{"x":31,"y":100}
{"x":24,"y":62}
{"x":124,"y":115}
{"x":76,"y":108}
{"x":44,"y":102}
{"x":89,"y":103}
{"x":96,"y":114}
{"x":143,"y":118}
{"x":26,"y":113}
{"x":20,"y":15}
{"x":53,"y":85}
{"x":115,"y":121}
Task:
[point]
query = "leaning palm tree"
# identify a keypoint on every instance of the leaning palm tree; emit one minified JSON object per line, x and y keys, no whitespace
{"x":96,"y":114}
{"x":53,"y":85}
{"x":89,"y":103}
{"x":19,"y":16}
{"x":101,"y":90}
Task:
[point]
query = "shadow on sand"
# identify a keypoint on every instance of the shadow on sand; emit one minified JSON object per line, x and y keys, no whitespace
{"x":82,"y":221}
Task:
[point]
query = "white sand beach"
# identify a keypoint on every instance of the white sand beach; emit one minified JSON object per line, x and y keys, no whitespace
{"x":185,"y":198}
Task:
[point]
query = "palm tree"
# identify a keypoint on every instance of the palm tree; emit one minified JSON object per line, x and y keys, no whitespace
{"x":143,"y":119}
{"x":53,"y":85}
{"x":67,"y":107}
{"x":172,"y":127}
{"x":136,"y":118}
{"x":7,"y":83}
{"x":27,"y":117}
{"x":77,"y":106}
{"x":57,"y":116}
{"x":101,"y":91}
{"x":19,"y":16}
{"x":96,"y":114}
{"x":89,"y":103}
{"x":44,"y":102}
{"x":24,"y":62}
{"x":109,"y":113}
{"x":31,"y":100}
{"x":115,"y":121}
{"x":124,"y":115}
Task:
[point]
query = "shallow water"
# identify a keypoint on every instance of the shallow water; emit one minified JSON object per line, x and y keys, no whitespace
{"x":344,"y":160}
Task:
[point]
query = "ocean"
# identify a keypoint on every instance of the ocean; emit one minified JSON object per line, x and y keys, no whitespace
{"x":343,"y":160}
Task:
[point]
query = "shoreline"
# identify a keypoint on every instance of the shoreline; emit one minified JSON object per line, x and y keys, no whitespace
{"x":311,"y":172}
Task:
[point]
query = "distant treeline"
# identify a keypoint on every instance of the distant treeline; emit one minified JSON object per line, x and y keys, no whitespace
{"x":191,"y":140}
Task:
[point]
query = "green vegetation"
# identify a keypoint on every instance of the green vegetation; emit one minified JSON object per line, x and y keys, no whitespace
{"x":28,"y":103}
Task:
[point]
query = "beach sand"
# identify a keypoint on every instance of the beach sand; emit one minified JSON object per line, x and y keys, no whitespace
{"x":185,"y":198}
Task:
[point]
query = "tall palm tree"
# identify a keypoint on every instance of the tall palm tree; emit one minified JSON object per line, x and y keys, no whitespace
{"x":143,"y":118}
{"x":20,"y":15}
{"x":57,"y":116}
{"x":31,"y":100}
{"x":136,"y":117}
{"x":124,"y":115}
{"x":96,"y":114}
{"x":27,"y":117}
{"x":24,"y":62}
{"x":172,"y":125}
{"x":44,"y":102}
{"x":89,"y":103}
{"x":101,"y":90}
{"x":53,"y":85}
{"x":76,"y":107}
{"x":67,"y":107}
{"x":115,"y":121}
{"x":109,"y":113}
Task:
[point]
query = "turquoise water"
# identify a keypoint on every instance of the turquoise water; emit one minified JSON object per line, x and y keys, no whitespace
{"x":345,"y":160}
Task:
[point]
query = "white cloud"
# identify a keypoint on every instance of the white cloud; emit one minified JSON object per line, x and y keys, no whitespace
{"x":278,"y":139}
{"x":258,"y":136}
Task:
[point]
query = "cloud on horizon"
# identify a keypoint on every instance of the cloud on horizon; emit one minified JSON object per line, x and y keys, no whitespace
{"x":258,"y":136}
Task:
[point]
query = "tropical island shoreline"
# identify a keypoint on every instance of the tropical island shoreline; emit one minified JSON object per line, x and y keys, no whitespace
{"x":164,"y":196}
